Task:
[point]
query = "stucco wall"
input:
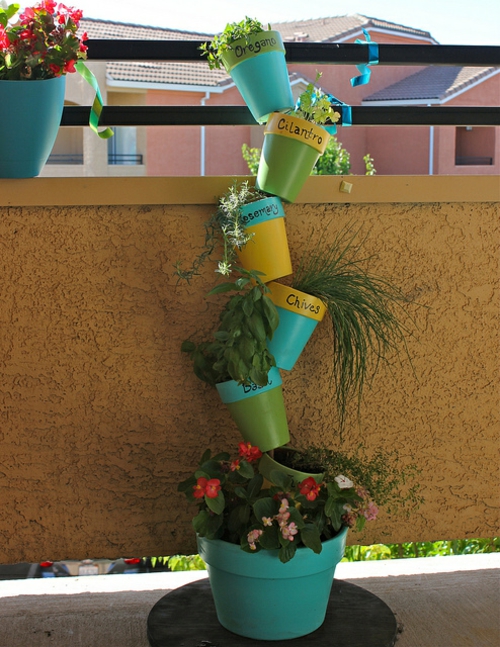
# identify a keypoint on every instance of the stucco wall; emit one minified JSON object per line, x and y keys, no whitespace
{"x":101,"y":415}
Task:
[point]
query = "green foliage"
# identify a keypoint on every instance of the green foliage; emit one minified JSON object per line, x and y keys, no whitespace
{"x":336,"y":160}
{"x":362,"y":308}
{"x":370,"y":168}
{"x":225,"y":230}
{"x":421,"y":549}
{"x":214,"y":50}
{"x":234,"y":505}
{"x":314,"y":105}
{"x":381,"y":474}
{"x":251,"y":157}
{"x":239,"y":351}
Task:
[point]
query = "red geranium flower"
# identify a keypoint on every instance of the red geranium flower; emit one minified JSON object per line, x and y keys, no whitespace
{"x":199,"y":488}
{"x":249,"y":452}
{"x":213,"y":487}
{"x":204,"y":487}
{"x":309,"y":488}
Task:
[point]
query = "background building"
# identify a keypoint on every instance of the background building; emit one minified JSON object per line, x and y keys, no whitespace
{"x":215,"y":150}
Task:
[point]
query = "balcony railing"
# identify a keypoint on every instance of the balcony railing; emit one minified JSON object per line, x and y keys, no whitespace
{"x":314,"y":53}
{"x":126,"y":159}
{"x":65,"y":158}
{"x":473,"y":161}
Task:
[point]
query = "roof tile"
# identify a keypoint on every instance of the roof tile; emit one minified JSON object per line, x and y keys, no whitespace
{"x":432,"y":83}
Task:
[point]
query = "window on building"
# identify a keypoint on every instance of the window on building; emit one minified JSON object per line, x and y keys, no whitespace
{"x":474,"y":146}
{"x":122,"y":147}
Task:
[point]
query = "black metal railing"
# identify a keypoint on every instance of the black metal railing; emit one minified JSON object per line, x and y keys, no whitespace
{"x":124,"y":159}
{"x":473,"y":161}
{"x":65,"y":158}
{"x":313,"y":53}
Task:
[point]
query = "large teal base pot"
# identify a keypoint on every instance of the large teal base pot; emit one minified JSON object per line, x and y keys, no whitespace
{"x":259,"y":597}
{"x":30,"y":116}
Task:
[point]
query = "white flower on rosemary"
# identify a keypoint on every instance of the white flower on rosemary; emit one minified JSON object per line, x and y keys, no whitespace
{"x":224,"y":268}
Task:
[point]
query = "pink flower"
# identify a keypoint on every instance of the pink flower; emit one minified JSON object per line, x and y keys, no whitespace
{"x":284,"y":506}
{"x":289,"y":531}
{"x":370,"y":512}
{"x":252,"y":537}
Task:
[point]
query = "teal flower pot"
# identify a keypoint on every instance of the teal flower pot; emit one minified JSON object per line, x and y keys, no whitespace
{"x":299,"y":315}
{"x":258,"y":69}
{"x":259,"y":597}
{"x":30,"y":116}
{"x":258,"y":411}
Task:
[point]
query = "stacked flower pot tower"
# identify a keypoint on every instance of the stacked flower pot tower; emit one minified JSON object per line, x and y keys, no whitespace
{"x":263,"y":328}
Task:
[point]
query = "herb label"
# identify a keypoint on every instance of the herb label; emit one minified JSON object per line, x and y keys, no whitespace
{"x":298,"y":129}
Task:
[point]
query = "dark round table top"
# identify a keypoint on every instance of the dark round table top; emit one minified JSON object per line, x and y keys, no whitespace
{"x":185,"y":617}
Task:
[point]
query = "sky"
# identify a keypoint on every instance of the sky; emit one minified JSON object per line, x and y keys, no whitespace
{"x":450,"y":22}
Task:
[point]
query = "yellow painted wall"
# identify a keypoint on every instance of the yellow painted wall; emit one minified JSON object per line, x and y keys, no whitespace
{"x":101,"y":415}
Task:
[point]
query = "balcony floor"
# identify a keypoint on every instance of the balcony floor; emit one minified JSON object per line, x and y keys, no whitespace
{"x":438,"y":602}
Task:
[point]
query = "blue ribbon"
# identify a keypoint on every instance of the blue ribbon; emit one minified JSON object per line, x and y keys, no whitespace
{"x":346,"y":114}
{"x":363,"y":69}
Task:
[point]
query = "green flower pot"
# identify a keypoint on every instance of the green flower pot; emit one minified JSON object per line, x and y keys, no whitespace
{"x":267,"y":465}
{"x":291,"y":148}
{"x":258,"y":411}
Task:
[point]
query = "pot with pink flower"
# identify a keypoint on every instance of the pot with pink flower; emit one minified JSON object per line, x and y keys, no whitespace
{"x":261,"y":542}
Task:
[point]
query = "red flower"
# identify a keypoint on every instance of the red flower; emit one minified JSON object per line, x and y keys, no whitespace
{"x":55,"y":69}
{"x":4,"y":39}
{"x":49,"y":5}
{"x":199,"y":488}
{"x":310,"y":488}
{"x":248,"y":452}
{"x":213,"y":487}
{"x":69,"y":66}
{"x":235,"y":465}
{"x":204,"y":487}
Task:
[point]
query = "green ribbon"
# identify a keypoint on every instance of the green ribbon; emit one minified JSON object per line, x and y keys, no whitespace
{"x":96,"y":109}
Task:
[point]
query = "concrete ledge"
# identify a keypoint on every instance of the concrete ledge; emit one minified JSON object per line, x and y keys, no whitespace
{"x":168,"y":581}
{"x":438,"y":602}
{"x":204,"y":190}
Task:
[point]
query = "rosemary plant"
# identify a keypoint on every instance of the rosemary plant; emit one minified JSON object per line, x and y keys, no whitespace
{"x":225,"y":230}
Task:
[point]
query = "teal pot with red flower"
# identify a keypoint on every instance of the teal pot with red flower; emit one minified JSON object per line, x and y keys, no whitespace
{"x":267,"y":250}
{"x":292,"y":146}
{"x":258,"y":68}
{"x":258,"y":411}
{"x":258,"y":596}
{"x":30,"y":116}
